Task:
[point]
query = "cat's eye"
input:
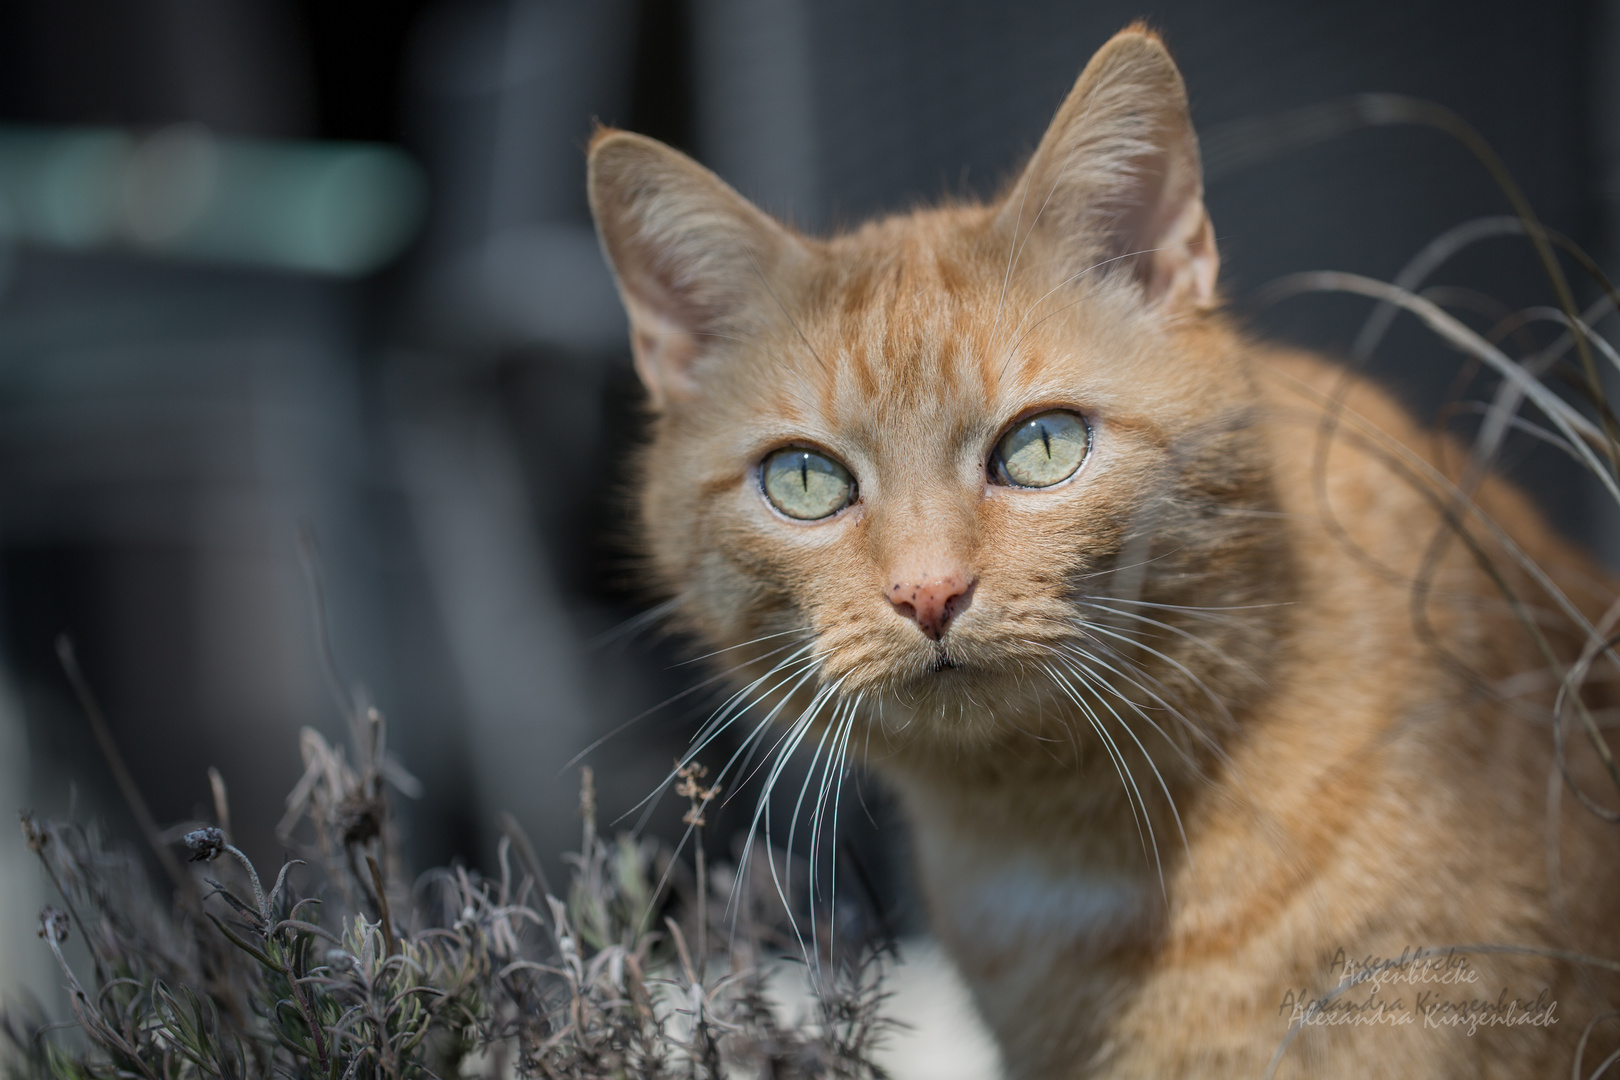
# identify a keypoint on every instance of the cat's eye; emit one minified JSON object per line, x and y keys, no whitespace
{"x":805,"y":484}
{"x":1041,"y":451}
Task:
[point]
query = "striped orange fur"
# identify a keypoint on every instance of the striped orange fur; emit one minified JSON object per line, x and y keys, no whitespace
{"x":1184,"y":734}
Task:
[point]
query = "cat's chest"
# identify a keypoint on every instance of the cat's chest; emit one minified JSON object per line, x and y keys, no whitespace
{"x":1000,"y":899}
{"x":1014,"y":901}
{"x":1014,"y":922}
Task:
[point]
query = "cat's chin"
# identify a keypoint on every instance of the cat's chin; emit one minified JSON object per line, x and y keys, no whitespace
{"x":944,"y":671}
{"x":953,"y":681}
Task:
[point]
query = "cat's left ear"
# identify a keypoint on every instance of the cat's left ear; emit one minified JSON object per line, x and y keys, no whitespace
{"x":1117,"y":179}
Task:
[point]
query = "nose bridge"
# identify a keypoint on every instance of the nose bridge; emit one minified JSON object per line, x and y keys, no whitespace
{"x":926,"y":523}
{"x":925,"y":536}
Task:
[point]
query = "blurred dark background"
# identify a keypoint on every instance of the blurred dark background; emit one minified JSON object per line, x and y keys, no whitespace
{"x":265,"y":262}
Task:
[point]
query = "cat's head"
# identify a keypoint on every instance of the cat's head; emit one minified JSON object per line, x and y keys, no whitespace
{"x":950,"y":462}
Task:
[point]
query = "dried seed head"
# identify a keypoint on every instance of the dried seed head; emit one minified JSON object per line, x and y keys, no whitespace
{"x":53,"y":924}
{"x":690,"y":789}
{"x":206,"y":844}
{"x":35,"y":837}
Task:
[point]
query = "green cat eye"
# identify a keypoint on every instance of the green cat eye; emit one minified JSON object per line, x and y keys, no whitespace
{"x":1042,"y":450}
{"x":806,"y":485}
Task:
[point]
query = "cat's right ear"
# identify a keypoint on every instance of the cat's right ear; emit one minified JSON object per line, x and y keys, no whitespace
{"x":690,"y":255}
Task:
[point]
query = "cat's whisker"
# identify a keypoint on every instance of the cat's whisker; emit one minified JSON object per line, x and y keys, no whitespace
{"x":1032,"y":735}
{"x":783,"y":750}
{"x":1014,"y":248}
{"x":1135,"y":632}
{"x":1210,"y":647}
{"x":803,"y":668}
{"x":1121,"y":568}
{"x":737,"y":702}
{"x":1068,"y":729}
{"x":794,"y":666}
{"x":786,"y":314}
{"x":810,"y":671}
{"x":1189,"y":608}
{"x":1144,"y":820}
{"x":1087,"y":659}
{"x":810,"y":774}
{"x":733,"y":704}
{"x":1105,"y":679}
{"x":866,"y":753}
{"x":838,"y":796}
{"x":744,"y":756}
{"x":762,"y":810}
{"x":1160,"y":697}
{"x":634,"y":625}
{"x":745,"y":644}
{"x":1079,"y":671}
{"x":790,"y":740}
{"x":720,"y":676}
{"x":831,"y":774}
{"x":1192,"y":676}
{"x":1215,"y":616}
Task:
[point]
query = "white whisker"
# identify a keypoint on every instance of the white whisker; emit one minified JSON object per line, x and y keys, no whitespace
{"x":1157,"y":775}
{"x":1150,"y":843}
{"x":1197,"y":680}
{"x":1214,"y":650}
{"x":732,"y":708}
{"x":632,"y":626}
{"x":743,"y":645}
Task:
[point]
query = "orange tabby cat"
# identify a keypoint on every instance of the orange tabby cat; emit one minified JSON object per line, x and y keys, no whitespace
{"x":994,"y":497}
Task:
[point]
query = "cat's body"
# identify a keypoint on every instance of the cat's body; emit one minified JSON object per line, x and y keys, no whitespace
{"x":1372,"y":801}
{"x":1171,"y":729}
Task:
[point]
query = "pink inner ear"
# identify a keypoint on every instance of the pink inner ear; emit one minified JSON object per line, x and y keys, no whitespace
{"x":663,"y":346}
{"x":1147,"y":208}
{"x":1187,"y":263}
{"x":1165,"y":221}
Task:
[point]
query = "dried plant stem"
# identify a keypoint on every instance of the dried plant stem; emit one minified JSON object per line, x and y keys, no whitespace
{"x":701,"y":861}
{"x":69,"y":660}
{"x":386,"y":919}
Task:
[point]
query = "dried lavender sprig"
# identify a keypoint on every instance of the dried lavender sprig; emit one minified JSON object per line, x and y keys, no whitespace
{"x":208,"y":843}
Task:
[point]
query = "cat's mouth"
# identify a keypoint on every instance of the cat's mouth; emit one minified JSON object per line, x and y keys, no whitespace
{"x":942,"y":662}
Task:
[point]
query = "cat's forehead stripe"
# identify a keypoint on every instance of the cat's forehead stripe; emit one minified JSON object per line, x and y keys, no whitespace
{"x":900,"y":324}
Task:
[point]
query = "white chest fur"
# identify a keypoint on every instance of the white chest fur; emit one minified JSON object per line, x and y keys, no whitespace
{"x":1015,"y":901}
{"x":1003,"y":899}
{"x":1013,"y":922}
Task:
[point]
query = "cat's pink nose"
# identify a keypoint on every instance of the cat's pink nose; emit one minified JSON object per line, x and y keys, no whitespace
{"x":932,"y":604}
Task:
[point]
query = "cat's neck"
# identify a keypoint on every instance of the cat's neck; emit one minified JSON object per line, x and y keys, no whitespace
{"x":1037,"y":869}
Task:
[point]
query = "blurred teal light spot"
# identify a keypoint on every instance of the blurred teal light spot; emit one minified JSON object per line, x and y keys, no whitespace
{"x":343,"y":209}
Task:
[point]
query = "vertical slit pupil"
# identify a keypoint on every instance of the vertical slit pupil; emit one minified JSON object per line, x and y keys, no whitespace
{"x":804,"y":471}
